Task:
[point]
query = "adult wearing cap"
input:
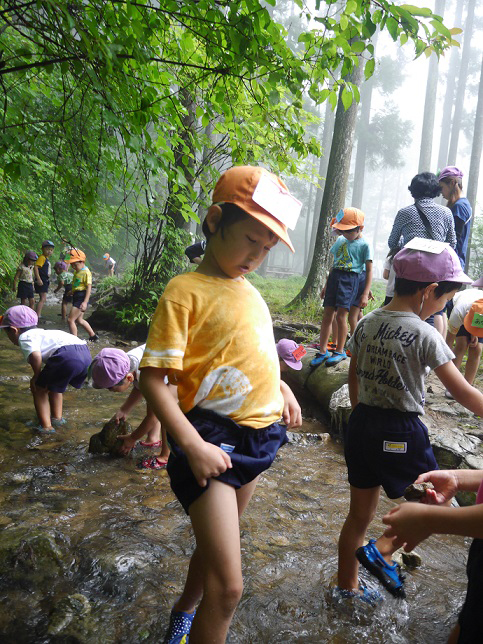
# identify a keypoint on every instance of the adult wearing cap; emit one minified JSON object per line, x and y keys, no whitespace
{"x":42,"y":270}
{"x":116,"y":370}
{"x":66,"y":360}
{"x":465,"y":331}
{"x":451,"y":184}
{"x":425,"y":219}
{"x":24,"y":277}
{"x":110,"y":264}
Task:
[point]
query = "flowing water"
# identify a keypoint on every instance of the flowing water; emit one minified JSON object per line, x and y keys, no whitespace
{"x":94,"y":550}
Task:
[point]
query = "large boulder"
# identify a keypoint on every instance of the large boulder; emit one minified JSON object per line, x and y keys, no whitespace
{"x":106,"y":441}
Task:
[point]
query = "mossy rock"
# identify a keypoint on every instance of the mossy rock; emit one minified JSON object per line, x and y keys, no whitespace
{"x":106,"y":441}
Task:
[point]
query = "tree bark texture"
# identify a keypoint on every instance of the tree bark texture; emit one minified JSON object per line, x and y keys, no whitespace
{"x":335,"y":187}
{"x":476,"y":150}
{"x":462,"y":79}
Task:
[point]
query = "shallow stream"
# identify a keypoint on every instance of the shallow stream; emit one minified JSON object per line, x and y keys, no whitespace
{"x":94,"y":550}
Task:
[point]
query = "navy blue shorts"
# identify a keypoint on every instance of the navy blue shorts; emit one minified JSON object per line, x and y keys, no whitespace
{"x":360,"y":289}
{"x":252,"y":451}
{"x":386,"y":447}
{"x":25,"y":290}
{"x":66,"y":366}
{"x":462,"y":332}
{"x":42,"y":289}
{"x":78,"y":298}
{"x":471,"y":616}
{"x":342,"y":288}
{"x":67,"y":297}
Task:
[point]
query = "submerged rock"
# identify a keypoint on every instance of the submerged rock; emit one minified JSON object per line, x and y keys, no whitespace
{"x":106,"y":441}
{"x":68,"y":609}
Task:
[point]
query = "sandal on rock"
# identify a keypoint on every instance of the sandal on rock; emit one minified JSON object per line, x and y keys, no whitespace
{"x":152,"y":463}
{"x":179,"y":627}
{"x":150,"y":445}
{"x":320,"y":358}
{"x":372,"y":560}
{"x":335,"y":358}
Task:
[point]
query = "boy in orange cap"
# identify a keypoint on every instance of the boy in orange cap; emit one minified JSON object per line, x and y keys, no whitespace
{"x":212,"y":334}
{"x":348,"y":284}
{"x":81,"y":292}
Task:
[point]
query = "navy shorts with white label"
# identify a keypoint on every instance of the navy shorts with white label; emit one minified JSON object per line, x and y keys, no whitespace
{"x":386,"y":447}
{"x":252,"y":451}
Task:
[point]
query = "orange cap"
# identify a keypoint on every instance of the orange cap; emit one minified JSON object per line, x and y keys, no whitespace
{"x":262,"y":195}
{"x":76,"y":255}
{"x":348,"y":218}
{"x":473,"y":321}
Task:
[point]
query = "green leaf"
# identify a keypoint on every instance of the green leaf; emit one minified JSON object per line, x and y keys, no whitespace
{"x":417,"y":11}
{"x":358,"y":46}
{"x":392,"y":27}
{"x":441,"y":29}
{"x":347,"y":98}
{"x":351,"y":6}
{"x":369,"y":68}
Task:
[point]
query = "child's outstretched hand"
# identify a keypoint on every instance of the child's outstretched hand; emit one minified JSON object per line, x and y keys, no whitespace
{"x":208,"y":461}
{"x":407,"y":525}
{"x":128,"y":443}
{"x":292,"y":414}
{"x":445,"y":486}
{"x":119,"y":416}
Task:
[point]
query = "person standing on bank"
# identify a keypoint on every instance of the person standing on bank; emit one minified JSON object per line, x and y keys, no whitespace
{"x":425,"y":219}
{"x":451,"y":184}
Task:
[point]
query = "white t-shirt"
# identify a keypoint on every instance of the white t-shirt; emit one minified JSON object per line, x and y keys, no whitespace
{"x":462,"y":304}
{"x":392,"y":276}
{"x":136,"y":356}
{"x":110,"y":263}
{"x":47,"y":342}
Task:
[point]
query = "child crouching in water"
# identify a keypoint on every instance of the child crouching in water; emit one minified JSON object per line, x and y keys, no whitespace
{"x":66,"y":361}
{"x":212,"y":333}
{"x":386,"y":444}
{"x":116,"y":370}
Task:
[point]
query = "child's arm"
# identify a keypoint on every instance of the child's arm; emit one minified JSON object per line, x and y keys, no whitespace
{"x":128,"y":405}
{"x":83,"y":305}
{"x":15,"y":280}
{"x":37,"y":275}
{"x":60,"y":284}
{"x":206,"y":460}
{"x":353,"y":383}
{"x":292,"y":414}
{"x":35,"y":361}
{"x":459,"y":388}
{"x":367,"y":287}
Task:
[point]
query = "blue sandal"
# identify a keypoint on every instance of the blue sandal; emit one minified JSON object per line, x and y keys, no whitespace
{"x":371,"y":597}
{"x":335,"y":358}
{"x":320,"y":358}
{"x":389,"y":576}
{"x":179,"y":627}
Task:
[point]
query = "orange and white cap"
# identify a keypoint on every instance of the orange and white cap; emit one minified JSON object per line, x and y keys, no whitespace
{"x":473,"y":321}
{"x":348,"y":218}
{"x":75,"y":255}
{"x":262,"y":195}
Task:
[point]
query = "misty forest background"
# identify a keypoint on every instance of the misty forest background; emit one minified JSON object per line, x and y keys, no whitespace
{"x":116,"y":119}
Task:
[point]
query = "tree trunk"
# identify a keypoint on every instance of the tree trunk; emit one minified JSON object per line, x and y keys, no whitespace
{"x":476,"y":150}
{"x":335,"y":187}
{"x":449,"y":94}
{"x":462,"y":79}
{"x":363,"y":127}
{"x":308,"y":229}
{"x":202,"y":197}
{"x":429,"y":106}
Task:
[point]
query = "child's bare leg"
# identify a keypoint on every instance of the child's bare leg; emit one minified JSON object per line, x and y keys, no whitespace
{"x":217,"y":561}
{"x":341,"y":317}
{"x":85,"y":325}
{"x":439,"y":324}
{"x":459,"y":349}
{"x":363,"y":505}
{"x":55,"y":400}
{"x":63,"y":310}
{"x":23,"y":301}
{"x":73,"y":315}
{"x":325,"y":327}
{"x":32,"y":302}
{"x":42,"y":406}
{"x":333,"y":332}
{"x":353,"y":317}
{"x":164,"y":446}
{"x":473,"y":362}
{"x":41,"y":302}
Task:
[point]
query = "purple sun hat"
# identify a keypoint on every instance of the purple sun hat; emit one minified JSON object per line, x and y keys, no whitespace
{"x":424,"y":266}
{"x":290,"y":352}
{"x":19,"y":316}
{"x":109,"y":367}
{"x":450,"y":171}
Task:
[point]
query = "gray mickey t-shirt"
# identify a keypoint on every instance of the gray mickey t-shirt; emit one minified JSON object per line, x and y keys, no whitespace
{"x":392,"y":349}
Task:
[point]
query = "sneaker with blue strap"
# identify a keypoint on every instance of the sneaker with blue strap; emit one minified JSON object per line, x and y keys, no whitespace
{"x":320,"y":358}
{"x":335,"y":358}
{"x":389,"y":575}
{"x":179,"y":627}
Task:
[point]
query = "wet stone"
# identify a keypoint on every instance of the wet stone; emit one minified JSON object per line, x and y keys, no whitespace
{"x":416,"y":491}
{"x":67,"y":610}
{"x":106,"y":441}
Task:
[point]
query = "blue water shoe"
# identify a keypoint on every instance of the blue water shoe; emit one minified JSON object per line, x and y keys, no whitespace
{"x":179,"y":627}
{"x":320,"y":358}
{"x":335,"y":358}
{"x":372,"y":560}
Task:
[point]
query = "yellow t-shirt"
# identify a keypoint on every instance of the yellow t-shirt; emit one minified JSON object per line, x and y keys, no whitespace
{"x":215,"y":337}
{"x":81,"y":280}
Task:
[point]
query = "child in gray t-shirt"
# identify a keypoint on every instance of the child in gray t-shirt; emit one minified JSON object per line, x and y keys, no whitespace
{"x":386,"y":444}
